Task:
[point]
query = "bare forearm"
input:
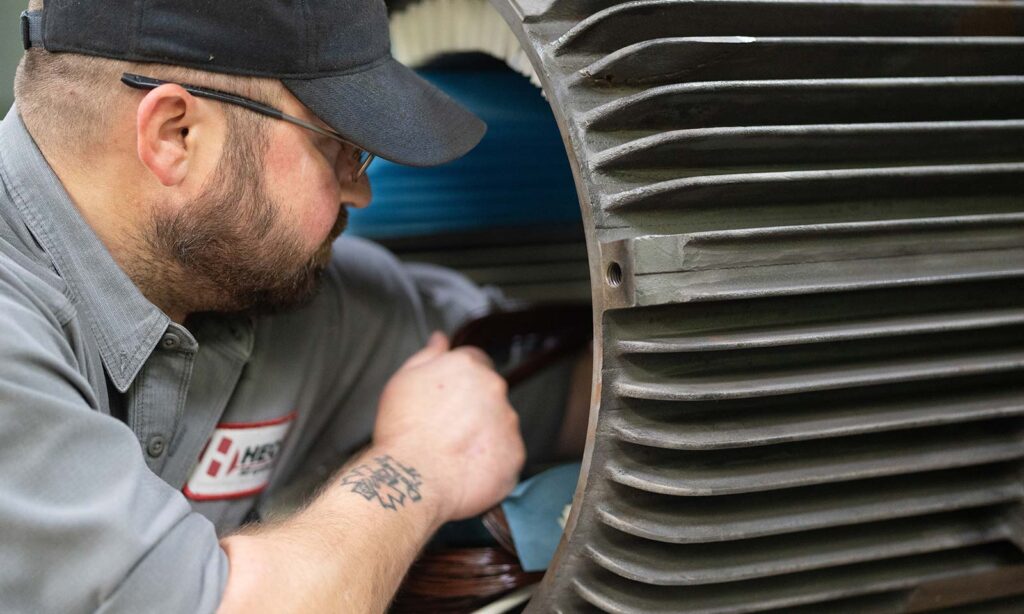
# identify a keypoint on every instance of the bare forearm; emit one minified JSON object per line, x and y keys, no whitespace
{"x":347,"y":551}
{"x":447,"y":446}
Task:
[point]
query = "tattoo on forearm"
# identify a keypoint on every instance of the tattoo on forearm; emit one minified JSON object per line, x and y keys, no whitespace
{"x":386,"y":481}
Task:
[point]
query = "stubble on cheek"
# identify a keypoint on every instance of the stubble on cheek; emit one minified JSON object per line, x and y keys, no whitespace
{"x":323,"y":253}
{"x":309,"y":196}
{"x":234,"y":247}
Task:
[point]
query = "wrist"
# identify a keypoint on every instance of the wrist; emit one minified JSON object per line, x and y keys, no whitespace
{"x":396,"y":477}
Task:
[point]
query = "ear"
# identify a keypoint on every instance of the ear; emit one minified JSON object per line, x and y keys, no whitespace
{"x":165,"y":132}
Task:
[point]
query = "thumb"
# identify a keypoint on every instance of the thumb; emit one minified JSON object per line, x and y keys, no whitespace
{"x":437,"y":344}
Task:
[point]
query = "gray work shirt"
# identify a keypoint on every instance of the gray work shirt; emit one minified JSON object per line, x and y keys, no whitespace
{"x":128,"y":443}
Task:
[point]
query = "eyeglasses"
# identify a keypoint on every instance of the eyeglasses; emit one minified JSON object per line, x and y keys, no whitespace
{"x":139,"y":82}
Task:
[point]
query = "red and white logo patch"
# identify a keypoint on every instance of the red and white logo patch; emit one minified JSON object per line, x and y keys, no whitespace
{"x":238,"y":459}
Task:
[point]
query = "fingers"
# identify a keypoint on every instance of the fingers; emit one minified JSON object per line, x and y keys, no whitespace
{"x":438,"y":340}
{"x":475,"y":353}
{"x":437,"y":344}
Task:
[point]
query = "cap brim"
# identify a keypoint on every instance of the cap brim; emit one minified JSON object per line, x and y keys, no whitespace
{"x":392,"y":112}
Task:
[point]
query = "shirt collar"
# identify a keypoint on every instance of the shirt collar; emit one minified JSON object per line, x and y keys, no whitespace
{"x":126,"y":326}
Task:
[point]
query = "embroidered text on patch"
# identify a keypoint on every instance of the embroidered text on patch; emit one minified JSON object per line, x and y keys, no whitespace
{"x":238,"y":460}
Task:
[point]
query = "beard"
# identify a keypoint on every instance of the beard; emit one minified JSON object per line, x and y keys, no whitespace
{"x":230,"y":250}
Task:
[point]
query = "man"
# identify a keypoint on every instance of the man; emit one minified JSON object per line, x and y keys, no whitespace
{"x":165,"y":359}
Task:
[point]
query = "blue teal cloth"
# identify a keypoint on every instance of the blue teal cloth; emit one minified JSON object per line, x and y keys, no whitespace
{"x":517,"y":176}
{"x":533,"y":510}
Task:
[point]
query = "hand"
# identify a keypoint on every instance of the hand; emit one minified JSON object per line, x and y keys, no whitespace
{"x":447,"y":413}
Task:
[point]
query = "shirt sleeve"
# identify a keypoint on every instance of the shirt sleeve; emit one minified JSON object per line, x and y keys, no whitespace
{"x":85,"y":525}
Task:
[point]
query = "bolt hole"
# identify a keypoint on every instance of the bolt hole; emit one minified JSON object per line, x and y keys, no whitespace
{"x":614,"y":275}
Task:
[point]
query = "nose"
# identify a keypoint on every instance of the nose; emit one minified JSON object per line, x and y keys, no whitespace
{"x":350,"y":169}
{"x":356,"y":192}
{"x":352,"y":162}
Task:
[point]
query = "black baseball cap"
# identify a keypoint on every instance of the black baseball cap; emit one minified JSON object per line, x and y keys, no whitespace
{"x":333,"y":55}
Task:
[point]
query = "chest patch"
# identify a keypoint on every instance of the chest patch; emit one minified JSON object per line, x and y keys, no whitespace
{"x":238,"y":460}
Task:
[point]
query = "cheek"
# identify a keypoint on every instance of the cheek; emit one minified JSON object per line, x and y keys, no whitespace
{"x":305,"y":193}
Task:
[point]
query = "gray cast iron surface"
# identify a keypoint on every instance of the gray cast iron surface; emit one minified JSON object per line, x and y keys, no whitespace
{"x":805,"y":225}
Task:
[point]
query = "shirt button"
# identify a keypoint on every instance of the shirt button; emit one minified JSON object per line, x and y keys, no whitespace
{"x":170,"y":341}
{"x":156,"y":445}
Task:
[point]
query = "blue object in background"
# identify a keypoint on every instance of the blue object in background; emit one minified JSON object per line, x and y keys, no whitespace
{"x":517,"y":176}
{"x":533,"y":510}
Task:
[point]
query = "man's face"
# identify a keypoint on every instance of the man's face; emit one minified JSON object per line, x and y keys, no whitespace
{"x":259,"y":235}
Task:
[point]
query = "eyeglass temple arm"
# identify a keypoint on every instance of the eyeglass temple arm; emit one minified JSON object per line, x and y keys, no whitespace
{"x":147,"y":83}
{"x":140,"y":82}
